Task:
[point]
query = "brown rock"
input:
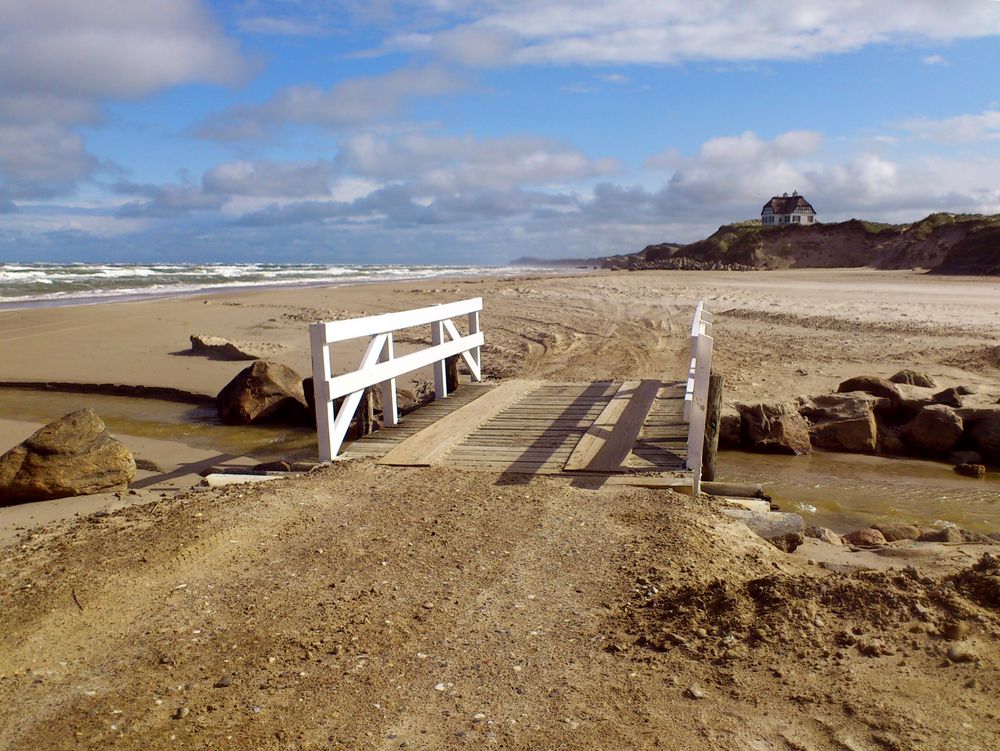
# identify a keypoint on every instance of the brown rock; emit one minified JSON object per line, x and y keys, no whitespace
{"x":877,"y":387}
{"x":936,"y":429}
{"x":774,"y":428}
{"x":977,"y":471}
{"x":865,"y":537}
{"x":890,"y":439}
{"x":912,"y":400}
{"x":263,"y":392}
{"x":218,"y":348}
{"x":913,"y":378}
{"x":824,"y":534}
{"x":894,"y":532}
{"x":944,"y":534}
{"x":75,"y":455}
{"x":730,"y":428}
{"x":951,"y":397}
{"x":983,"y":427}
{"x":843,"y":422}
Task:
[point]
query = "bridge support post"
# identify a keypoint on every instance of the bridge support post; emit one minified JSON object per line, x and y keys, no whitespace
{"x":713,"y":419}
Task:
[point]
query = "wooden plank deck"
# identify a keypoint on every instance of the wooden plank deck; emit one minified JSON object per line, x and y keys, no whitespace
{"x":663,"y":438}
{"x":537,"y":434}
{"x":384,"y":440}
{"x":603,"y":429}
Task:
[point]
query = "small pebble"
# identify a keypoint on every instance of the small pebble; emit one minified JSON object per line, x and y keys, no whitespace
{"x":439,"y":687}
{"x":224,"y":681}
{"x":693,"y":692}
{"x":181,"y":713}
{"x":962,"y":651}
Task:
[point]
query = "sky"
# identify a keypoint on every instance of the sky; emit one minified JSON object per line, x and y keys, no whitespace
{"x":478,"y":131}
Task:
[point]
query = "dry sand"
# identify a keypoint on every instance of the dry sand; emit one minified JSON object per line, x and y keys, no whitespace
{"x":367,"y":607}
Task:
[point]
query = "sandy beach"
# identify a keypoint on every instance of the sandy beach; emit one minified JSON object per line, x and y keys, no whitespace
{"x":371,"y":607}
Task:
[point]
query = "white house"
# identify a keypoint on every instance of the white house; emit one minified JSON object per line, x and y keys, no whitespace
{"x":787,"y":209}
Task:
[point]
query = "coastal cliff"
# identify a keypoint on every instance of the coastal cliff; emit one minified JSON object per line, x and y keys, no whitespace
{"x":941,"y":243}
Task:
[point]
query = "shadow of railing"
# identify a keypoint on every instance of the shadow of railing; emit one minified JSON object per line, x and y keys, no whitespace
{"x":565,"y":429}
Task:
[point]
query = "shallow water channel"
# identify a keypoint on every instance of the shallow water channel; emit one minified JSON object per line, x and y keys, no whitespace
{"x":195,"y":425}
{"x":849,"y":491}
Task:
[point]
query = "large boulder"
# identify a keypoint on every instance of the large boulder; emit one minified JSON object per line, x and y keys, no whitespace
{"x":913,"y":378}
{"x":263,"y":392}
{"x":875,"y":386}
{"x":983,"y":427}
{"x":935,"y":429}
{"x":843,"y":422}
{"x":774,"y":428}
{"x":912,"y":400}
{"x":75,"y":455}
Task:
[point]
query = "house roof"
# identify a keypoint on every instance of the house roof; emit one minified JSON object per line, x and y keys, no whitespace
{"x":787,"y":204}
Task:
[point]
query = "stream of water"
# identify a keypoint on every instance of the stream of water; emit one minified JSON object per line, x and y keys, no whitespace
{"x":849,"y":491}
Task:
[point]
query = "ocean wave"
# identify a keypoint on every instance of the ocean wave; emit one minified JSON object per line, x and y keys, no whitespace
{"x":68,"y":283}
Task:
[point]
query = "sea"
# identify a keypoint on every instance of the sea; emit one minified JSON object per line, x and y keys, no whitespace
{"x":42,"y":284}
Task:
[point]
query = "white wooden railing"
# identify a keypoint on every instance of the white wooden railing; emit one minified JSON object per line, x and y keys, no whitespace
{"x":381,"y":366}
{"x":696,"y":393}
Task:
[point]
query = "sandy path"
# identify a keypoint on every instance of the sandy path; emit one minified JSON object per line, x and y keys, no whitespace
{"x":372,"y":608}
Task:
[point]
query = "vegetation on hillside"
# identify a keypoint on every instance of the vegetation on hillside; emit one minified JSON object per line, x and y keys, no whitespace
{"x":941,"y":242}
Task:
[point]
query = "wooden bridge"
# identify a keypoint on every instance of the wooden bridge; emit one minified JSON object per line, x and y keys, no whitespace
{"x":641,"y":432}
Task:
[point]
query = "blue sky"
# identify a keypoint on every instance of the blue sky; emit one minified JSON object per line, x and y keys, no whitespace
{"x":477,"y":131}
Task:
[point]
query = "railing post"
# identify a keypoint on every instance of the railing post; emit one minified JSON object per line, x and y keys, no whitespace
{"x":390,"y":404}
{"x":699,"y":408}
{"x":321,"y":392}
{"x":475,"y":352}
{"x":440,"y":376}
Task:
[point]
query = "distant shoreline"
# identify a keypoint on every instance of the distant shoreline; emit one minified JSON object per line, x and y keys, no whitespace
{"x":129,"y":294}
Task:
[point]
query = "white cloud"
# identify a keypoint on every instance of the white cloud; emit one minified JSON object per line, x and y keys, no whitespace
{"x":449,"y":163}
{"x":268,"y":178}
{"x":170,"y":200}
{"x":934,"y":60}
{"x":41,"y":160}
{"x":353,"y":102}
{"x":593,"y":32}
{"x":61,"y":60}
{"x":727,"y":151}
{"x":480,"y":45}
{"x":959,"y":129}
{"x":109,"y":48}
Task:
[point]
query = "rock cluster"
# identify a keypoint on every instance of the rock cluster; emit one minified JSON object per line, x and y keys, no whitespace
{"x":903,"y":415}
{"x":75,"y":455}
{"x":885,"y":534}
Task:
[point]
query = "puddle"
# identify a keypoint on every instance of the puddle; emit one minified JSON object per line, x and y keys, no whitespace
{"x":848,"y":491}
